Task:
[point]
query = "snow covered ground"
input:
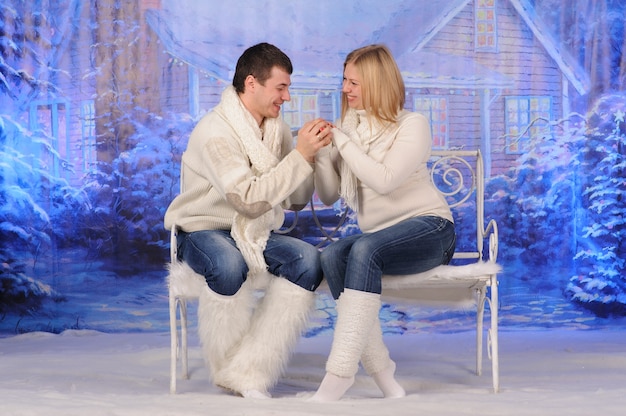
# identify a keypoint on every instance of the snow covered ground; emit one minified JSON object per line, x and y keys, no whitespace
{"x":543,"y":372}
{"x":555,"y":359}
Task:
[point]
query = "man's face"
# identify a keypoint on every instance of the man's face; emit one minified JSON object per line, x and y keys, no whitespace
{"x":265,"y":100}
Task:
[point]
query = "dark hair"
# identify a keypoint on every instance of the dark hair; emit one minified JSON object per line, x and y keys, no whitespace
{"x":258,"y":61}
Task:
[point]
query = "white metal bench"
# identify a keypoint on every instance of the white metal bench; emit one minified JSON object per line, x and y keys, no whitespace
{"x":456,"y":173}
{"x":459,"y":176}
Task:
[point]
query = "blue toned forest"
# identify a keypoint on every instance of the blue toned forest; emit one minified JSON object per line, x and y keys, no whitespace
{"x":97,"y":102}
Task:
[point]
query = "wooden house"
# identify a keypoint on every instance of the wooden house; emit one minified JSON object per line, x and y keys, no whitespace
{"x":487,"y":73}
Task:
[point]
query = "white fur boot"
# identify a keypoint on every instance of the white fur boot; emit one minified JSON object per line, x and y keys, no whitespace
{"x":379,"y":366}
{"x":356,"y":313}
{"x":222,"y":323}
{"x":277,"y":325}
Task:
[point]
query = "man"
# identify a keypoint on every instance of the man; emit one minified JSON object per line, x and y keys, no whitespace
{"x":240,"y":170}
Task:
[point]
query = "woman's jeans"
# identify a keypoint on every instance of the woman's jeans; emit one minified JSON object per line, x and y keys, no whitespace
{"x":214,"y":255}
{"x":412,"y":246}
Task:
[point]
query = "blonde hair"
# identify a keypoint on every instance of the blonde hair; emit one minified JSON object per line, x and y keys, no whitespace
{"x":382,"y":86}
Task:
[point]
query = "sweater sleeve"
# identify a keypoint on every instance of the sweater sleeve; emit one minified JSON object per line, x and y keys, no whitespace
{"x":301,"y":196}
{"x":410,"y":148}
{"x":326,"y":175}
{"x":228,"y":169}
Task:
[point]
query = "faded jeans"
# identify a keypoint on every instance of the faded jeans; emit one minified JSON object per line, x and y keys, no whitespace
{"x":214,"y":255}
{"x":414,"y":245}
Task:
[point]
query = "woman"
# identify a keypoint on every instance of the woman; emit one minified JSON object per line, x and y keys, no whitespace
{"x":377,"y":163}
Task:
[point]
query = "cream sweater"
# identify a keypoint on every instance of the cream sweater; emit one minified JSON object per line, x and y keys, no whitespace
{"x":393,"y":182}
{"x":217,"y":179}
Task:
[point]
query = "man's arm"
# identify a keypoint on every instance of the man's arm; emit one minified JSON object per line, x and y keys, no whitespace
{"x":228,"y":168}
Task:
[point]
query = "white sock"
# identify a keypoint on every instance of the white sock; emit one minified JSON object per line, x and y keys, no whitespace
{"x":332,"y":388}
{"x":387,"y":383}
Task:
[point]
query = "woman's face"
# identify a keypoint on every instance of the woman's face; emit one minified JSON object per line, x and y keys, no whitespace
{"x":352,"y":87}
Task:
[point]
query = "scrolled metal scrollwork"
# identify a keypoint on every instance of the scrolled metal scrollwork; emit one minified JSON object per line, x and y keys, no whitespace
{"x":454,"y":177}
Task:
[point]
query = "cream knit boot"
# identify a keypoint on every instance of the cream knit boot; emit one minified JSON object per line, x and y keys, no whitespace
{"x":379,"y":366}
{"x":258,"y":362}
{"x":356,"y":311}
{"x":222,"y":323}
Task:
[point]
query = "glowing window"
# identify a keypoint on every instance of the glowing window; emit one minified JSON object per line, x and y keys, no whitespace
{"x":435,"y":109}
{"x":51,"y":120}
{"x":88,"y":125}
{"x":526,"y":118}
{"x":301,"y":108}
{"x":485,"y":27}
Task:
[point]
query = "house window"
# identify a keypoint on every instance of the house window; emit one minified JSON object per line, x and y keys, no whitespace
{"x":51,"y":118}
{"x":436,"y":111}
{"x":527,"y":118}
{"x":88,"y":125}
{"x":300,"y":109}
{"x":485,"y":33}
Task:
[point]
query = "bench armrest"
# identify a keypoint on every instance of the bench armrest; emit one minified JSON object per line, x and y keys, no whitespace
{"x":491,"y":232}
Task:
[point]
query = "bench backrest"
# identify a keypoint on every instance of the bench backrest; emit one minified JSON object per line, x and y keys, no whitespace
{"x":459,"y":176}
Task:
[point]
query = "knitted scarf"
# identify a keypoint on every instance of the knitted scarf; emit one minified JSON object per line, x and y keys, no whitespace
{"x":363,"y":133}
{"x":263,"y":151}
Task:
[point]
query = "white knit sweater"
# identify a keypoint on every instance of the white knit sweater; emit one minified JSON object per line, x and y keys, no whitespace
{"x":218,"y":179}
{"x":393,"y":182}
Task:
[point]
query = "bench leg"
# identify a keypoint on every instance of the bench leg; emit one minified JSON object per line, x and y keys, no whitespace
{"x":183,"y":338}
{"x":493,"y":332}
{"x":173,"y":344}
{"x":480,"y":314}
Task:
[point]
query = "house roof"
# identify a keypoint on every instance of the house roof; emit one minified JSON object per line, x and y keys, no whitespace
{"x":566,"y":62}
{"x":211,"y":36}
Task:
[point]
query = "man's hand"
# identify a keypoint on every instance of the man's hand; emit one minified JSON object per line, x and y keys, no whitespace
{"x":313,"y":135}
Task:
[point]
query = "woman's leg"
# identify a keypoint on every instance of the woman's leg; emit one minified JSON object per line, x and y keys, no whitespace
{"x":357,"y":312}
{"x":411,"y":246}
{"x":334,"y":259}
{"x":377,"y":363}
{"x":414,"y":245}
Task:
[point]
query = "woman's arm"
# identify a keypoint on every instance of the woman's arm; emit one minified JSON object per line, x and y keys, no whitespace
{"x":410,"y":148}
{"x":326,"y":176}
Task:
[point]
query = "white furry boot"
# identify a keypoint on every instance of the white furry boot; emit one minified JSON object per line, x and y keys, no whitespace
{"x":277,"y":325}
{"x":379,"y":366}
{"x":222,"y":323}
{"x":356,"y":313}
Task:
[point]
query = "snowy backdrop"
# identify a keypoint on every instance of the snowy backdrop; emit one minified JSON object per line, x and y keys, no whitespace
{"x":97,"y":100}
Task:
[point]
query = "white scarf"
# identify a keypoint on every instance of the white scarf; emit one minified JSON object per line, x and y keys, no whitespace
{"x":363,"y":132}
{"x":263,"y":150}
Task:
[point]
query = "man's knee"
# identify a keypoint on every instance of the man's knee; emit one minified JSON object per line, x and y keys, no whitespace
{"x":305,"y":270}
{"x":226,"y":277}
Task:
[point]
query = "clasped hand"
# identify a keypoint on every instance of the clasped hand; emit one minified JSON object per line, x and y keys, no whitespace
{"x":313,"y":135}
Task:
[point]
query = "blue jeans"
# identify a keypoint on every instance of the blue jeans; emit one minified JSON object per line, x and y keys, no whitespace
{"x":214,"y":255}
{"x":412,"y":246}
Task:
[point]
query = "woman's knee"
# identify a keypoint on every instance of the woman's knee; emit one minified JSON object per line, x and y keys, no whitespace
{"x":328,"y":258}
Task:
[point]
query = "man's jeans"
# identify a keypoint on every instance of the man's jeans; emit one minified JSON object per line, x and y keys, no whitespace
{"x":412,"y":246}
{"x":214,"y":255}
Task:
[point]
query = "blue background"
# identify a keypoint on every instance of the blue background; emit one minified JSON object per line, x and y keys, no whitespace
{"x":97,"y":104}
